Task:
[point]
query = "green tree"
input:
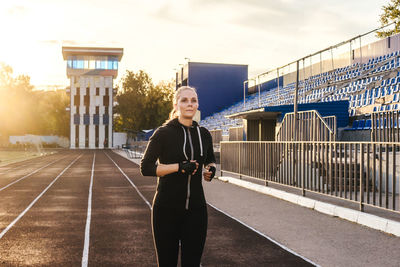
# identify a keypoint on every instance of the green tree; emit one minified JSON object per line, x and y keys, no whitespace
{"x":24,"y":111}
{"x":16,"y":102}
{"x":53,"y":119}
{"x":141,"y":104}
{"x":391,"y":13}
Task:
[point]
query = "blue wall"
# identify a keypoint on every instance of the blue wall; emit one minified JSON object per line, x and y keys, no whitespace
{"x":338,"y":108}
{"x":218,"y":85}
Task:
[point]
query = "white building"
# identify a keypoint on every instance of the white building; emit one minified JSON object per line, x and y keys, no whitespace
{"x":91,"y":72}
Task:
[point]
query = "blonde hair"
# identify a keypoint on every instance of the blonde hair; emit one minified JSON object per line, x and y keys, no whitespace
{"x":174,"y":113}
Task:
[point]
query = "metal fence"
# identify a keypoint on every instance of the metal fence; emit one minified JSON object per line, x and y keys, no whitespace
{"x":385,"y":126}
{"x":216,"y":136}
{"x":236,"y":133}
{"x":361,"y":172}
{"x":310,"y":125}
{"x":135,"y":150}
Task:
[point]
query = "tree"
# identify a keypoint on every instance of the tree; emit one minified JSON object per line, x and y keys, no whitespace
{"x":141,"y":104}
{"x":391,"y":13}
{"x":52,"y":117}
{"x":16,"y":102}
{"x":24,"y":111}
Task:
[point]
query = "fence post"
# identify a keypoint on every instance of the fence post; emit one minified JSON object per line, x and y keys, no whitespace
{"x":240,"y":161}
{"x":220,"y":157}
{"x":303,"y":191}
{"x":361,"y":177}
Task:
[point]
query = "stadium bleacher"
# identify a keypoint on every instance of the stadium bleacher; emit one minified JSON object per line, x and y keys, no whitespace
{"x":370,"y":87}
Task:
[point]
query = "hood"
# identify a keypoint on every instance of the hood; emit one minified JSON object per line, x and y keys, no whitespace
{"x":175,"y":122}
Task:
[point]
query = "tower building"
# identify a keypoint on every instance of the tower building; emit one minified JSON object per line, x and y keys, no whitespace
{"x":91,"y":72}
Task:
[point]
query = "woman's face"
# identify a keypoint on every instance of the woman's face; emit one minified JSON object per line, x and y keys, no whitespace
{"x":187,"y":104}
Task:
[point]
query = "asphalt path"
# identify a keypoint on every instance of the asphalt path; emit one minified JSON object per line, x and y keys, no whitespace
{"x":91,"y":207}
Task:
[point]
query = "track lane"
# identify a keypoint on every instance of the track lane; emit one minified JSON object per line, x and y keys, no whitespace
{"x":120,"y":232}
{"x":229,"y":243}
{"x":51,"y":231}
{"x":14,"y":199}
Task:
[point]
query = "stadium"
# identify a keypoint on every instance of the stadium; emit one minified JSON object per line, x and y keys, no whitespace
{"x":325,"y":123}
{"x":308,"y":165}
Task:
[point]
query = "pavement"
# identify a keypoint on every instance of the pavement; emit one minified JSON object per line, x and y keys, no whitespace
{"x":322,"y":230}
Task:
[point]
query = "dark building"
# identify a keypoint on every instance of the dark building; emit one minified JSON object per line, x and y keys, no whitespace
{"x":217,"y":85}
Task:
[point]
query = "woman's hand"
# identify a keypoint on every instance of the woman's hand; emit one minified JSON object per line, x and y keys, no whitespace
{"x":188,"y":167}
{"x":209,"y":173}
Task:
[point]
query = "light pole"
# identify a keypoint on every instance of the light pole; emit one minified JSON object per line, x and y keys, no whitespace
{"x":188,"y":60}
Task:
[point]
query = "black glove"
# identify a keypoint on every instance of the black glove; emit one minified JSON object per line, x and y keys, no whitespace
{"x":213,"y":170}
{"x":187,"y":167}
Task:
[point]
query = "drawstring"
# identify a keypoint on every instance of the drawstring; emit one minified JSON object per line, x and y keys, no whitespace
{"x":201,"y":144}
{"x":184,"y":142}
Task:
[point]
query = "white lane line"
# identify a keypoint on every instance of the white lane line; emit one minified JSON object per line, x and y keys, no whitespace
{"x":145,"y":200}
{"x":263,"y":235}
{"x":16,"y":181}
{"x":35,"y":200}
{"x":129,"y":180}
{"x":85,"y":256}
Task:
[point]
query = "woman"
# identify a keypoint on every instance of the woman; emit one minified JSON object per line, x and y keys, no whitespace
{"x":176,"y":154}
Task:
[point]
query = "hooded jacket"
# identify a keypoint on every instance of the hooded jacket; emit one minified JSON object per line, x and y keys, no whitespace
{"x":174,"y":143}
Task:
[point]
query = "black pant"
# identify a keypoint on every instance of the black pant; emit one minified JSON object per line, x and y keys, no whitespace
{"x":170,"y":226}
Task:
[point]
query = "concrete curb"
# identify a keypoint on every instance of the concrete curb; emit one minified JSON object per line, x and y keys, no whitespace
{"x":362,"y":218}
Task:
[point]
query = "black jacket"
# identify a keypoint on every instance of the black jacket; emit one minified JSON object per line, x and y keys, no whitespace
{"x":174,"y":143}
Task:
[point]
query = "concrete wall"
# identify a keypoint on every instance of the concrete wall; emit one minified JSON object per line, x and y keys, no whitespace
{"x":119,"y":139}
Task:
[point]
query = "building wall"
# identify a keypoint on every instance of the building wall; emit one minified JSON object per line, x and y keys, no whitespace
{"x":218,"y":85}
{"x":340,"y":109}
{"x":91,"y":91}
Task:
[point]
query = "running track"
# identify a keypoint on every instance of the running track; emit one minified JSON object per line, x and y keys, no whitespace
{"x":86,"y":207}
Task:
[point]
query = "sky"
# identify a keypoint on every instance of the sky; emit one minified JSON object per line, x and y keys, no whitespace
{"x":157,"y":35}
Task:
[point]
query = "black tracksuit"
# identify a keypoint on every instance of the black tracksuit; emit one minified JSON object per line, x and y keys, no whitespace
{"x":179,"y":210}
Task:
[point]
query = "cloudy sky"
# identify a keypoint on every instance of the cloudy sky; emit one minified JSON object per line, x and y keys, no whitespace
{"x":157,"y":35}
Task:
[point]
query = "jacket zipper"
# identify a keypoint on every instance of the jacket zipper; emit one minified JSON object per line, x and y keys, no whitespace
{"x":190,"y":176}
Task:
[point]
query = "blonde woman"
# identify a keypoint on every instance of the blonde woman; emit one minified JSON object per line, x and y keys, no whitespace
{"x":176,"y":154}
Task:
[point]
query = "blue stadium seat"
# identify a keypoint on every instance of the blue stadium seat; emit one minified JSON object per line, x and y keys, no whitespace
{"x":361,"y":125}
{"x":367,"y":125}
{"x":355,"y":124}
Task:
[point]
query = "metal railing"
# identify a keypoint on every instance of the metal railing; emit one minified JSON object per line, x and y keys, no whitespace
{"x":236,"y":133}
{"x":135,"y":150}
{"x":361,"y":172}
{"x":385,"y":126}
{"x":311,"y":126}
{"x":216,"y":136}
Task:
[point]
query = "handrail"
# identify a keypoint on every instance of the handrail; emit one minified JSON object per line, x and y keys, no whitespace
{"x":332,"y":132}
